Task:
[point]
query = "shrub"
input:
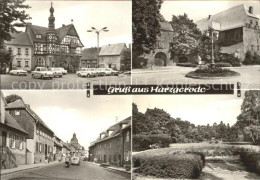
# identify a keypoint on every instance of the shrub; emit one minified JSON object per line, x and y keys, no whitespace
{"x":144,"y":142}
{"x":251,"y":58}
{"x":228,"y":58}
{"x":187,"y":64}
{"x":177,"y":165}
{"x":251,"y":160}
{"x":223,"y":64}
{"x":208,"y":70}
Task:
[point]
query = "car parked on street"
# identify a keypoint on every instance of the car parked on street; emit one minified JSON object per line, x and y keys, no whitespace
{"x":56,"y":72}
{"x":64,"y":71}
{"x":42,"y":72}
{"x":87,"y":72}
{"x":18,"y":72}
{"x":100,"y":72}
{"x":109,"y":72}
{"x":75,"y":161}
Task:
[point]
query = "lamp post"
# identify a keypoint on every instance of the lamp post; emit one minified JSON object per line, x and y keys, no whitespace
{"x":213,"y":35}
{"x":98,"y":32}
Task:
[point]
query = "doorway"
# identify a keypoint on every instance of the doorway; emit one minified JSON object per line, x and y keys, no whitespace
{"x":4,"y":137}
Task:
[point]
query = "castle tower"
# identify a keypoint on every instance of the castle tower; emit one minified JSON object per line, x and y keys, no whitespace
{"x":51,"y":25}
{"x":74,"y":139}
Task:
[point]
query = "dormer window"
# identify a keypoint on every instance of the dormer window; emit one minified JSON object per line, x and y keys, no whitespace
{"x":38,"y":36}
{"x":124,"y":125}
{"x":110,"y":132}
{"x":17,"y":112}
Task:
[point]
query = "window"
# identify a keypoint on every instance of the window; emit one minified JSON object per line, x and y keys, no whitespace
{"x":37,"y":147}
{"x":252,"y":47}
{"x":40,"y":62}
{"x":19,"y":144}
{"x":26,"y":63}
{"x":127,"y":138}
{"x":19,"y":51}
{"x":26,"y":51}
{"x":110,"y":144}
{"x":17,"y":112}
{"x":12,"y":141}
{"x":40,"y":147}
{"x":127,"y":155}
{"x":10,"y":49}
{"x":258,"y":49}
{"x":251,"y":21}
{"x":18,"y":63}
{"x":38,"y":36}
{"x":256,"y":23}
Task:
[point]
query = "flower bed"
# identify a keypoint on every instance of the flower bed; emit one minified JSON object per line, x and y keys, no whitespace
{"x":223,"y":64}
{"x":210,"y":72}
{"x":187,"y":64}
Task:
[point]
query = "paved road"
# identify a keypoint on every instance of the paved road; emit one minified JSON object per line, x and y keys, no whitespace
{"x":69,"y":81}
{"x":249,"y":77}
{"x":85,"y":171}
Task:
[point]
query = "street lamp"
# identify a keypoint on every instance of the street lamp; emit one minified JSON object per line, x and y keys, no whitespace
{"x":93,"y":29}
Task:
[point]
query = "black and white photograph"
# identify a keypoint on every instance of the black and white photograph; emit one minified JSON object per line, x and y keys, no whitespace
{"x":64,"y":135}
{"x":65,"y":44}
{"x":198,"y":42}
{"x":190,"y":137}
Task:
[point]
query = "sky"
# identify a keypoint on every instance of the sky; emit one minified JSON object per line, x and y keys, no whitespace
{"x":198,"y":10}
{"x":114,"y":15}
{"x":66,"y":112}
{"x":197,"y":109}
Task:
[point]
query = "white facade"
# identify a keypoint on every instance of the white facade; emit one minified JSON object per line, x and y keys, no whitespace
{"x":22,"y":57}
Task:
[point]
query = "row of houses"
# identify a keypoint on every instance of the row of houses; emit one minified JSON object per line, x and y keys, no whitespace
{"x":113,"y":146}
{"x":26,"y":139}
{"x":42,"y":46}
{"x":237,"y":28}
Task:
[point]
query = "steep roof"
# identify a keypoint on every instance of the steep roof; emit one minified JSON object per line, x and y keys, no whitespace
{"x":62,"y":31}
{"x":18,"y":104}
{"x":116,"y":128}
{"x":112,"y":49}
{"x":166,"y":26}
{"x":228,"y":19}
{"x":11,"y":122}
{"x":89,"y":53}
{"x":20,"y":38}
{"x":3,"y":98}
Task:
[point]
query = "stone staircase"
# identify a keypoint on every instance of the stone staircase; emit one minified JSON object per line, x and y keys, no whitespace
{"x":8,"y":159}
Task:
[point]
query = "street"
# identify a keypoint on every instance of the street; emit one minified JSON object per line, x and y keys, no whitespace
{"x":68,"y":81}
{"x":85,"y":171}
{"x":249,"y":77}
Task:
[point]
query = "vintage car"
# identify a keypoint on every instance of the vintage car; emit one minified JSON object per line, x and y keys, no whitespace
{"x":56,"y":72}
{"x":109,"y":71}
{"x":75,"y":161}
{"x":64,"y":71}
{"x":87,"y":72}
{"x":18,"y":72}
{"x":42,"y":72}
{"x":100,"y":72}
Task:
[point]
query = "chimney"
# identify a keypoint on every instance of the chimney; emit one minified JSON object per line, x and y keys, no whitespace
{"x":250,"y":10}
{"x":63,"y":25}
{"x":209,"y":17}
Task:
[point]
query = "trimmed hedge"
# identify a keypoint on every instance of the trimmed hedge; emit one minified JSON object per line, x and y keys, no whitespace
{"x":144,"y":142}
{"x":251,"y":160}
{"x":223,"y":64}
{"x":186,"y":64}
{"x":177,"y":165}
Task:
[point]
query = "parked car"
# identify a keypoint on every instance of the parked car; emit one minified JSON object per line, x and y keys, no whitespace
{"x":18,"y":72}
{"x":42,"y":72}
{"x":75,"y":161}
{"x":64,"y":71}
{"x":56,"y":72}
{"x":127,"y":72}
{"x":109,"y":71}
{"x":87,"y":72}
{"x":100,"y":72}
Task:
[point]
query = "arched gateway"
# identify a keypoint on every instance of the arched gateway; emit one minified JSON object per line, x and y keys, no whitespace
{"x":160,"y":59}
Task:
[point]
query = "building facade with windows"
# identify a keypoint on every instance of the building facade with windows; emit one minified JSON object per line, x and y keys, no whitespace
{"x":40,"y":140}
{"x":113,"y":56}
{"x":12,"y":139}
{"x":48,"y":43}
{"x":21,"y":48}
{"x":113,"y":146}
{"x":89,"y":58}
{"x":238,"y":29}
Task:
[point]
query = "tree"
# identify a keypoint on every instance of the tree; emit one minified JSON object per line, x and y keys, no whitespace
{"x":185,"y":36}
{"x":12,"y":16}
{"x":13,"y":97}
{"x":145,"y":25}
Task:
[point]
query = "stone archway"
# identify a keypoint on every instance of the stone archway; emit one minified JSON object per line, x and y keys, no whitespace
{"x":160,"y":59}
{"x":183,"y":59}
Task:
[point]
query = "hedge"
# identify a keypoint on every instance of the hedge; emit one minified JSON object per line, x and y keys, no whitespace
{"x":251,"y":160}
{"x":186,"y":64}
{"x":144,"y":142}
{"x":178,"y":165}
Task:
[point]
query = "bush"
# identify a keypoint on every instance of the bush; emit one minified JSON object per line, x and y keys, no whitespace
{"x":187,"y":64}
{"x":228,"y":58}
{"x":223,"y":64}
{"x":144,"y":142}
{"x":208,"y":70}
{"x":177,"y":165}
{"x":251,"y":160}
{"x":251,"y":58}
